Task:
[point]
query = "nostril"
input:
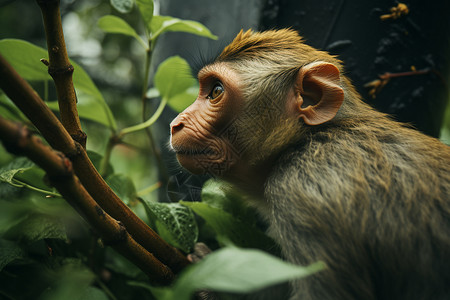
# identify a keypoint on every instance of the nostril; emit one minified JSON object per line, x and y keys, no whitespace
{"x":176,"y":127}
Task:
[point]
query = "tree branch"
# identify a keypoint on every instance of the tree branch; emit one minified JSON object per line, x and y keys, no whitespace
{"x":18,"y":140}
{"x":61,"y":70}
{"x":27,"y":100}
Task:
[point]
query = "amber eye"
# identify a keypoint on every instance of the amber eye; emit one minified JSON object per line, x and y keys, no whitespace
{"x":216,"y":91}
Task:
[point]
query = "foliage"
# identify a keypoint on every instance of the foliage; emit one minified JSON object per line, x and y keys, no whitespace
{"x":47,"y":246}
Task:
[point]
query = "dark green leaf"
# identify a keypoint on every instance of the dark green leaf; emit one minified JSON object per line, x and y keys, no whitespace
{"x":121,"y":265}
{"x":174,"y":222}
{"x":146,"y":9}
{"x":173,"y":77}
{"x":227,"y":226}
{"x":123,"y":187}
{"x":96,"y":159}
{"x":37,"y":227}
{"x":9,"y":111}
{"x":123,"y":6}
{"x":9,"y":251}
{"x":161,"y":24}
{"x":72,"y":282}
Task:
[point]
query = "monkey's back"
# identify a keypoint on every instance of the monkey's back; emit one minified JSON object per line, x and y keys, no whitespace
{"x":372,"y":200}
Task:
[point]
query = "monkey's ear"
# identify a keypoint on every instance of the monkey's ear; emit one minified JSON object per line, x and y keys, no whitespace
{"x":319,"y":93}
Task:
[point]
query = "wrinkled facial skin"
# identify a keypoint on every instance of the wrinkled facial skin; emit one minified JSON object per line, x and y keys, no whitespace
{"x":203,"y":136}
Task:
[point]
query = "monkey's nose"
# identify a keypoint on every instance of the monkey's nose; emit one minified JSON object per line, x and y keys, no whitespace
{"x":176,"y":127}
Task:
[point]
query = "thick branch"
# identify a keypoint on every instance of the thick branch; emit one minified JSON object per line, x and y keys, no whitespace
{"x":21,"y":93}
{"x":18,"y":140}
{"x":61,"y":70}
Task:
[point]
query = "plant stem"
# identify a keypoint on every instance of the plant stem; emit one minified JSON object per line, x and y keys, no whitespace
{"x":149,"y":189}
{"x":107,"y":156}
{"x":147,"y":123}
{"x":20,"y":184}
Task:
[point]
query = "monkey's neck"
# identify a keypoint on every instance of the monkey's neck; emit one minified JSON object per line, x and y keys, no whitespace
{"x":251,"y":179}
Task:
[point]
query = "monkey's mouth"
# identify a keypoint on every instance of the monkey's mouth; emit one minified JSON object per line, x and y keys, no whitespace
{"x":196,"y":152}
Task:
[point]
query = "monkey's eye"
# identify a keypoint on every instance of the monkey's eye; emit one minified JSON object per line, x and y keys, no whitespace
{"x":216,"y":91}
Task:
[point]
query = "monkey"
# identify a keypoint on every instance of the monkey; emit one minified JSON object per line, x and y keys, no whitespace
{"x":335,"y":180}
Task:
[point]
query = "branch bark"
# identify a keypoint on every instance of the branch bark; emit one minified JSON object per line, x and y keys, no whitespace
{"x":27,"y":100}
{"x":61,"y":70}
{"x":18,"y":140}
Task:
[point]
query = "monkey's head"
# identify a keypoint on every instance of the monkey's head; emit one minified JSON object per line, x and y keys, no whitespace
{"x":261,"y":94}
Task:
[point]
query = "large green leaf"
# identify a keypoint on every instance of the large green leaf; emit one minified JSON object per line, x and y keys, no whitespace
{"x":181,"y":101}
{"x":161,"y":24}
{"x":72,"y":282}
{"x":146,"y":9}
{"x":173,"y":77}
{"x":24,"y":57}
{"x":234,"y":270}
{"x":178,"y":102}
{"x":113,"y":24}
{"x":123,"y":6}
{"x":9,"y":251}
{"x":174,"y":222}
{"x":37,"y":227}
{"x":227,"y":226}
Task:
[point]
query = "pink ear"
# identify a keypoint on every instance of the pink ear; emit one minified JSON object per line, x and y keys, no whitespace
{"x":320,"y":93}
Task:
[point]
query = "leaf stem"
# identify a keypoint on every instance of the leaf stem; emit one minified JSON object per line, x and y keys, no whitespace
{"x":149,"y":189}
{"x":17,"y":183}
{"x":147,"y":123}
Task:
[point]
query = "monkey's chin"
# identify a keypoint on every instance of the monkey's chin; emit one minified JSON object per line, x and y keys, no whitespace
{"x":194,"y":164}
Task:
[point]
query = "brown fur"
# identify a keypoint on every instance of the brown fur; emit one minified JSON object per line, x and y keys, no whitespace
{"x":367,"y":195}
{"x":363,"y":193}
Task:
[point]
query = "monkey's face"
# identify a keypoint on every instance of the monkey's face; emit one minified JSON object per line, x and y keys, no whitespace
{"x":204,"y":135}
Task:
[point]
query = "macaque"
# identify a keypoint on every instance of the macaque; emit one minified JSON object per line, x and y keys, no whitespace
{"x":336,"y":180}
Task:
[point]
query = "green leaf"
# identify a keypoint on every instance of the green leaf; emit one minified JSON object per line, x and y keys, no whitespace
{"x":222,"y":195}
{"x":18,"y":165}
{"x":235,"y":270}
{"x":72,"y":282}
{"x":161,"y":24}
{"x":123,"y":6}
{"x":146,"y":9}
{"x":9,"y":111}
{"x":96,"y":159}
{"x":24,"y":57}
{"x":123,"y":187}
{"x":227,"y":226}
{"x":37,"y":227}
{"x":113,"y":24}
{"x":9,"y":251}
{"x":445,"y":129}
{"x":174,"y":222}
{"x":119,"y":264}
{"x":181,"y":101}
{"x":173,"y":77}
